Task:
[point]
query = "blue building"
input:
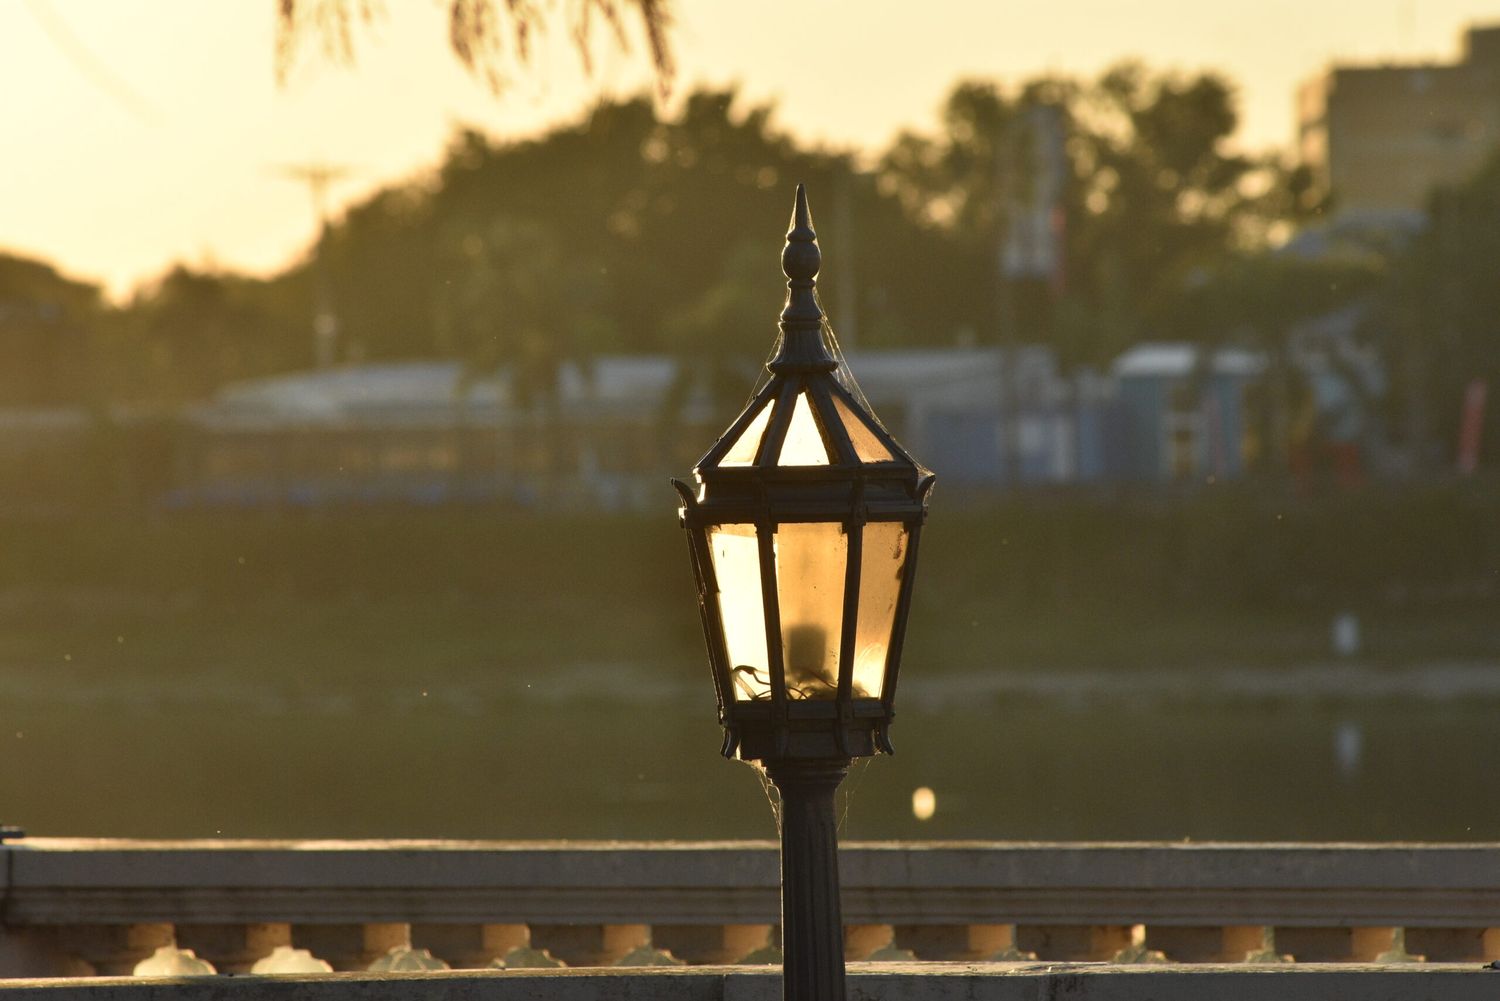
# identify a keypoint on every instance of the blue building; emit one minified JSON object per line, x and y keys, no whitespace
{"x":427,"y":432}
{"x":1183,"y":410}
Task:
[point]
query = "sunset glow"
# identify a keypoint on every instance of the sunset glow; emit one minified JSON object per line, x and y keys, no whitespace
{"x":140,"y":135}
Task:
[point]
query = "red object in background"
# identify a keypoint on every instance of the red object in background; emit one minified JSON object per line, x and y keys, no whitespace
{"x":1348,"y":466}
{"x":1471,"y":424}
{"x":1059,"y":276}
{"x":1340,"y":463}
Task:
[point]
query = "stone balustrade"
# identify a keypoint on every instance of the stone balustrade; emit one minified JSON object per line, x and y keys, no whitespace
{"x":891,"y":981}
{"x":74,"y":907}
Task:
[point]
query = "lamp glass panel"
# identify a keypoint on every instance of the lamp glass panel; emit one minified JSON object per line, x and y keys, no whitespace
{"x":882,"y":565}
{"x":803,"y":445}
{"x":810,"y":563}
{"x":742,"y":452}
{"x":866,"y":445}
{"x":736,"y":556}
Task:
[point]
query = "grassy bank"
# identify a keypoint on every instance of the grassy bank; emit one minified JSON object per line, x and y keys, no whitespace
{"x":486,"y":673}
{"x":348,"y":597}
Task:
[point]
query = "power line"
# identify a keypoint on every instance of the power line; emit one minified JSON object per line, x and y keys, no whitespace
{"x":84,"y":60}
{"x":318,"y":176}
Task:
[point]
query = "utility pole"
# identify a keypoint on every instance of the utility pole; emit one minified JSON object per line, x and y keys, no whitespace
{"x":845,"y":276}
{"x":1005,"y":314}
{"x":1029,"y":164}
{"x":318,"y":176}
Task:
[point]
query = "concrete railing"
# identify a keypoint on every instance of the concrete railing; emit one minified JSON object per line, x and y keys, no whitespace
{"x":101,"y":907}
{"x":867,"y":982}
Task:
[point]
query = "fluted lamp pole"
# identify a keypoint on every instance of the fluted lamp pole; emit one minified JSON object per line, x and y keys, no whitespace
{"x":803,"y":521}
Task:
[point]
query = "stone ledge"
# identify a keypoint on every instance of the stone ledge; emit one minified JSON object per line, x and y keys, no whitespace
{"x":70,"y":881}
{"x":867,"y":982}
{"x":62,"y":862}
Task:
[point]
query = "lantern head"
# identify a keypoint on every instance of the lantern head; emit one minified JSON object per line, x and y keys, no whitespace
{"x":803,"y":521}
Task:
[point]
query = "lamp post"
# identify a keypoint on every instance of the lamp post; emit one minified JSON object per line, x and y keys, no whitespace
{"x":803,"y":524}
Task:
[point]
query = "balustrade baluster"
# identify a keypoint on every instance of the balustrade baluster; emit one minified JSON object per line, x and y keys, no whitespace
{"x":965,"y":943}
{"x":1334,"y":945}
{"x":862,"y":941}
{"x":590,"y":945}
{"x":233,"y":948}
{"x":351,"y":946}
{"x":170,"y":961}
{"x":1454,"y":945}
{"x":711,"y":944}
{"x":469,"y":946}
{"x":1097,"y":943}
{"x":35,"y":952}
{"x":113,"y":950}
{"x":1205,"y":943}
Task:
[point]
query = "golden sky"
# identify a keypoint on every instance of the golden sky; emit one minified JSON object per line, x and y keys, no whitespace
{"x":142,"y":132}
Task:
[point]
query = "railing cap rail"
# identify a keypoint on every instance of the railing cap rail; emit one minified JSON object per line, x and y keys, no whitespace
{"x":61,"y":862}
{"x":61,"y":881}
{"x":927,"y":982}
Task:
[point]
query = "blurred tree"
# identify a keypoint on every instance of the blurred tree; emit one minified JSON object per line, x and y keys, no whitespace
{"x":192,"y":331}
{"x":46,"y":322}
{"x":1160,"y":198}
{"x":736,"y":302}
{"x":969,"y":184}
{"x":653,"y":209}
{"x":1150,"y":197}
{"x":380,"y":263}
{"x":627,"y":230}
{"x":518,"y":300}
{"x":1439,"y":312}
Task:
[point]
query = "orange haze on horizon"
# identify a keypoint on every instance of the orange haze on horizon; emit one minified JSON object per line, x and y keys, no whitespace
{"x":137,"y":140}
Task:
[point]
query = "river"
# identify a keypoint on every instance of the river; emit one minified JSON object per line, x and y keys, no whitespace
{"x":1324,"y":752}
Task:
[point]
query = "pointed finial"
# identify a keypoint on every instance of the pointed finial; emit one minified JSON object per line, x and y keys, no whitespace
{"x":801,"y":258}
{"x":802,"y":319}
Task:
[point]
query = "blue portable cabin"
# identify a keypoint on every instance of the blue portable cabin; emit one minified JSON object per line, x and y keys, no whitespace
{"x":950,"y":407}
{"x":1183,"y":410}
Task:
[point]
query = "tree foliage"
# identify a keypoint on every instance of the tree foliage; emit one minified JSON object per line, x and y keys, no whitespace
{"x":615,"y":234}
{"x":46,"y":323}
{"x":1439,"y":312}
{"x":485,"y":36}
{"x":1150,"y":198}
{"x":636,"y":230}
{"x":191,"y":331}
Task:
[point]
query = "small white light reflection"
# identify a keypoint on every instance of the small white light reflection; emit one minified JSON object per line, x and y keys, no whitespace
{"x":1345,"y":634}
{"x":1349,"y":748}
{"x":923,"y":803}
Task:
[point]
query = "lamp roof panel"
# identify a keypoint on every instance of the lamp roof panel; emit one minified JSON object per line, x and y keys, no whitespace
{"x":743,"y":451}
{"x":804,"y":444}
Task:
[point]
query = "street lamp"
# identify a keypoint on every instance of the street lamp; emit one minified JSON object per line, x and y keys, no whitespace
{"x":803,"y":527}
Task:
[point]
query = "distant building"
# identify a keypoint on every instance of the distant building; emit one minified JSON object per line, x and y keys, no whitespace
{"x":420,"y":432}
{"x":428,"y":433}
{"x":950,"y":407}
{"x":1184,"y":411}
{"x":1380,"y":138}
{"x":613,"y":429}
